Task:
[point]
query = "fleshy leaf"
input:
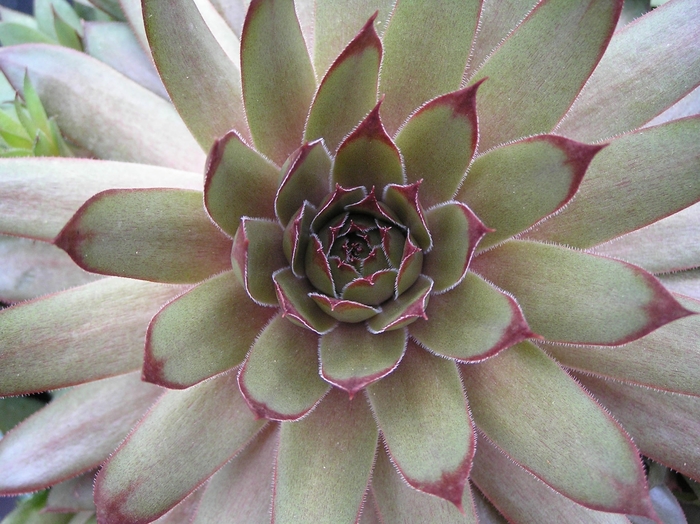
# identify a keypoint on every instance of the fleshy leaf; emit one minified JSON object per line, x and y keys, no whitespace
{"x":372,"y":290}
{"x":318,"y":269}
{"x":529,"y":407}
{"x":348,"y":91}
{"x":504,"y":186}
{"x":550,"y":54}
{"x":397,"y":502}
{"x":404,"y":201}
{"x":86,"y":418}
{"x":422,"y":412}
{"x":636,"y":180}
{"x":426,"y":46}
{"x":471,"y":322}
{"x":368,"y":157}
{"x":684,"y":282}
{"x":624,"y":92}
{"x":39,"y":195}
{"x":342,"y":309}
{"x":163,"y":235}
{"x":256,"y":255}
{"x":278,"y":78}
{"x":400,"y":312}
{"x":72,"y":495}
{"x":352,"y":357}
{"x":304,"y":179}
{"x":206,"y":331}
{"x":279,"y":379}
{"x":72,"y":337}
{"x":102,"y":110}
{"x":324,"y":462}
{"x":174,"y":454}
{"x":524,"y":498}
{"x":438,"y":142}
{"x":456,"y":231}
{"x":297,"y":306}
{"x":188,"y":70}
{"x":296,"y":238}
{"x":614,"y":301}
{"x":239,"y":182}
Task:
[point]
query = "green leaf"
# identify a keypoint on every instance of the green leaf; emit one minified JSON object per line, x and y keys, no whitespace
{"x":426,"y":46}
{"x":64,"y":10}
{"x":67,"y":35}
{"x":404,"y":310}
{"x":239,"y":182}
{"x":71,"y":337}
{"x":206,"y":331}
{"x":174,"y":454}
{"x":504,"y":187}
{"x":73,"y":495}
{"x":397,"y":502}
{"x":324,"y":462}
{"x":16,"y":34}
{"x":638,"y":179}
{"x":422,"y":412}
{"x":570,"y":296}
{"x":522,"y":497}
{"x":102,"y":110}
{"x":550,"y":54}
{"x":86,"y":418}
{"x":624,"y":92}
{"x":29,"y":510}
{"x":438,"y":142}
{"x":197,"y":77}
{"x":38,"y":196}
{"x":685,"y":282}
{"x":15,"y":410}
{"x":457,"y":329}
{"x":154,"y":225}
{"x":13,"y":133}
{"x":531,"y":409}
{"x":280,"y":379}
{"x":278,"y":78}
{"x":352,"y":357}
{"x":296,"y":305}
{"x":348,"y":91}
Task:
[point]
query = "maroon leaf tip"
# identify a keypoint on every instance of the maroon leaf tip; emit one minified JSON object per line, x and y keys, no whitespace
{"x":371,"y":128}
{"x":579,"y":157}
{"x":367,"y":37}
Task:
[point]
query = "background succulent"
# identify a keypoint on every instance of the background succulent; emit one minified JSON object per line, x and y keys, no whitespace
{"x":420,"y":282}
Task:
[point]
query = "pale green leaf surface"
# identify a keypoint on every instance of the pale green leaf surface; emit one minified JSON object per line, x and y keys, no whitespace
{"x":195,"y":70}
{"x":111,"y":7}
{"x":426,"y":46}
{"x":72,"y":337}
{"x":102,"y":110}
{"x":278,"y":78}
{"x":648,"y":66}
{"x":86,"y":425}
{"x":73,"y":495}
{"x":689,"y":105}
{"x":524,"y":498}
{"x":665,"y":427}
{"x":233,"y":11}
{"x":504,"y":187}
{"x":153,"y":227}
{"x":459,"y":329}
{"x":15,"y":34}
{"x":684,"y":282}
{"x":29,"y":269}
{"x":39,"y":195}
{"x":486,"y":512}
{"x":324,"y":463}
{"x":535,"y":74}
{"x":369,"y":509}
{"x":225,"y":36}
{"x":134,"y":17}
{"x":531,"y":409}
{"x":14,"y":410}
{"x":570,"y":296}
{"x":422,"y":412}
{"x":638,"y":179}
{"x":66,"y":34}
{"x":17,"y":17}
{"x":183,"y":512}
{"x":182,"y":441}
{"x":397,"y":502}
{"x":296,"y":305}
{"x":280,"y":379}
{"x":206,"y":331}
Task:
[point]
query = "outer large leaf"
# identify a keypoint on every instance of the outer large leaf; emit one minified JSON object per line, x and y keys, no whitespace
{"x":422,"y":412}
{"x":426,"y":46}
{"x":324,"y":462}
{"x":636,"y":180}
{"x":689,"y":105}
{"x":613,"y":302}
{"x":102,"y":110}
{"x":206,"y":331}
{"x":186,"y":437}
{"x":535,"y":74}
{"x":72,"y":337}
{"x":624,"y":92}
{"x":203,"y":83}
{"x":86,"y":424}
{"x":39,"y":195}
{"x":73,"y":495}
{"x":278,"y":78}
{"x":524,"y":498}
{"x":544,"y":421}
{"x":685,"y":282}
{"x":162,"y":235}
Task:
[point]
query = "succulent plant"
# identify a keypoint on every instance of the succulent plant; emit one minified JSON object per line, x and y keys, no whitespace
{"x":422,"y":279}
